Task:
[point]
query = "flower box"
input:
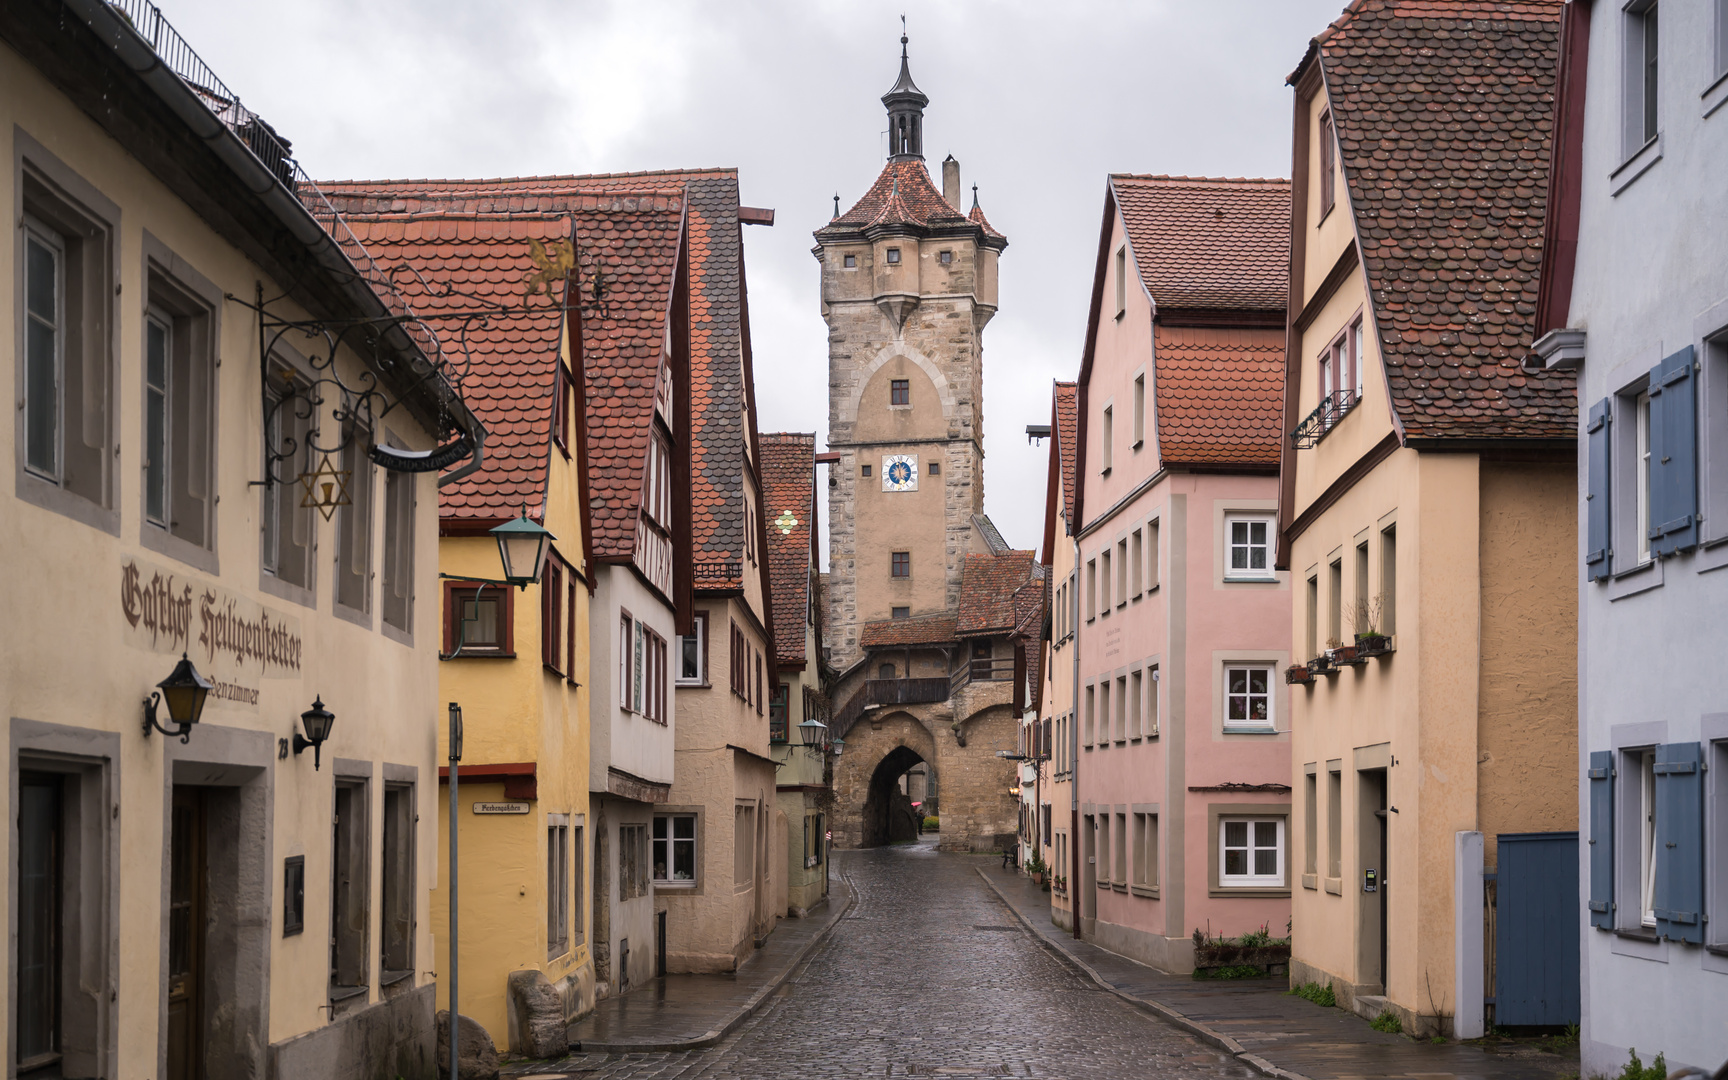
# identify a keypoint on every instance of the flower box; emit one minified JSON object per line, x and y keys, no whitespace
{"x":1373,"y":645}
{"x":1320,"y":665}
{"x":1347,"y":654}
{"x":1298,"y":674}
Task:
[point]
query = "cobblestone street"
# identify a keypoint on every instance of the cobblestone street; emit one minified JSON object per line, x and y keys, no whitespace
{"x":930,"y":975}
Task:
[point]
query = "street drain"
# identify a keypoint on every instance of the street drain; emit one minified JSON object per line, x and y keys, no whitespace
{"x":1010,"y":929}
{"x":956,"y":1070}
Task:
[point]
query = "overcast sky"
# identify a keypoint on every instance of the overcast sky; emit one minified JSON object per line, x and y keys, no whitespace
{"x":1038,"y":101}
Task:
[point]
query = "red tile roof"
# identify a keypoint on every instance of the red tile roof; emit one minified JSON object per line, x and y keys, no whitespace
{"x":989,"y":592}
{"x":1208,"y":243}
{"x":788,"y":469}
{"x":1067,"y":431}
{"x":1220,"y":394}
{"x":904,"y":195}
{"x":461,"y":243}
{"x":1443,"y":110}
{"x":921,"y":630}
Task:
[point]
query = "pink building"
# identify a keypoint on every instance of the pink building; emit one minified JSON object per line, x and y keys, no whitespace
{"x":1179,"y":737}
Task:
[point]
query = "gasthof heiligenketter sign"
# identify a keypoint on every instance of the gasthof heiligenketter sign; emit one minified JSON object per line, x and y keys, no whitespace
{"x":233,"y":640}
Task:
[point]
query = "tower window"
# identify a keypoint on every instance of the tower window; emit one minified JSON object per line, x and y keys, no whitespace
{"x":902,"y":563}
{"x":902,"y":613}
{"x":851,"y":262}
{"x":945,"y":258}
{"x":865,"y":471}
{"x":935,"y":468}
{"x":893,"y":256}
{"x":900,"y":392}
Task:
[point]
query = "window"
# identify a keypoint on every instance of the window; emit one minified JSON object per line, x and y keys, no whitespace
{"x":901,"y":612}
{"x":902,"y":564}
{"x":1335,"y":604}
{"x":396,"y":948}
{"x":179,"y":413}
{"x":633,"y":860}
{"x":477,"y":620}
{"x":743,"y":844}
{"x":1102,"y":867}
{"x":1642,"y":93}
{"x":1313,"y":644}
{"x":1136,"y":692}
{"x":1250,"y":540}
{"x":1121,"y":280}
{"x":1641,"y":465}
{"x":1121,"y":572}
{"x":945,"y":257}
{"x":1139,"y":411}
{"x":1646,"y":773}
{"x":288,"y":528}
{"x":674,"y":847}
{"x":779,"y":713}
{"x":349,"y":890}
{"x":65,"y":412}
{"x":893,"y":256}
{"x":1091,"y":714}
{"x":626,"y":658}
{"x":576,"y":869}
{"x":1146,"y":850}
{"x":561,"y":383}
{"x":693,"y":654}
{"x":1152,"y":555}
{"x":1334,"y":823}
{"x":651,"y":679}
{"x":1103,"y":712}
{"x":40,"y":903}
{"x":1328,"y":165}
{"x":552,"y":614}
{"x":864,"y":470}
{"x":1310,"y":822}
{"x":1356,"y":361}
{"x":1121,"y":727}
{"x":886,"y":671}
{"x":657,"y":481}
{"x":293,"y":895}
{"x":759,"y":685}
{"x":1091,"y":589}
{"x":354,"y":530}
{"x":399,"y":505}
{"x":1251,"y":852}
{"x":1119,"y":856}
{"x":1104,"y":579}
{"x":1362,"y":610}
{"x":899,"y":392}
{"x":1152,"y":701}
{"x":1388,"y":580}
{"x":934,"y":468}
{"x":740,"y":655}
{"x":1139,"y":548}
{"x":1107,"y":438}
{"x":851,"y":262}
{"x":1721,"y":37}
{"x":557,"y":885}
{"x":1248,"y":698}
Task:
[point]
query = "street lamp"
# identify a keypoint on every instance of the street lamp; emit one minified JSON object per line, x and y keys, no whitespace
{"x":838,"y":745}
{"x":317,"y":721}
{"x":810,"y":732}
{"x":522,"y":547}
{"x":184,"y":692}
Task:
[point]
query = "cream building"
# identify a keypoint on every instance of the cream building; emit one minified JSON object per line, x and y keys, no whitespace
{"x":1427,"y":487}
{"x":1057,"y":741}
{"x":222,"y":903}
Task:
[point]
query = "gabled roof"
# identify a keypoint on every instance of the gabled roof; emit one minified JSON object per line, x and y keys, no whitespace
{"x":1220,"y":394}
{"x":990,"y":585}
{"x":992,"y":537}
{"x":904,"y":195}
{"x":920,"y":630}
{"x":1208,"y":243}
{"x":1059,"y":472}
{"x":788,"y":468}
{"x":1444,"y":115}
{"x":463,"y":245}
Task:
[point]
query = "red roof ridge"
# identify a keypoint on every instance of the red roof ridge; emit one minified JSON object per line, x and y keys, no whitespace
{"x":1170,"y":179}
{"x":725,"y":170}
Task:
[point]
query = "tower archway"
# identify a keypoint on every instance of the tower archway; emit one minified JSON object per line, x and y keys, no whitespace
{"x":889,"y":815}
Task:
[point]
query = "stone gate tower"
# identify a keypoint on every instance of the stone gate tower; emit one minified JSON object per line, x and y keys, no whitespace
{"x":908,"y":284}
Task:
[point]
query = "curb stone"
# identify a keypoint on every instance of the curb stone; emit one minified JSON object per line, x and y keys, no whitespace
{"x":1198,"y":1029}
{"x":744,"y":1012}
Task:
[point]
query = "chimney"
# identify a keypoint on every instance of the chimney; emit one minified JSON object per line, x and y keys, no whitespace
{"x":951,"y":182}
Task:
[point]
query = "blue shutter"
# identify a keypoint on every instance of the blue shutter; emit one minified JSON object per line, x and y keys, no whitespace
{"x":1602,"y":839}
{"x":1680,"y":842}
{"x":1598,"y":532}
{"x":1673,"y":455}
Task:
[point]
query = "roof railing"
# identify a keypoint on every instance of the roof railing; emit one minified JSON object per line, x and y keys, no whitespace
{"x":1316,"y":424}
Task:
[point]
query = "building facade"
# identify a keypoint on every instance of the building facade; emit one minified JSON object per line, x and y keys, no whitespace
{"x":1634,"y":162}
{"x":1426,"y":482}
{"x":1183,"y":761}
{"x":1059,"y":810}
{"x":205,"y":899}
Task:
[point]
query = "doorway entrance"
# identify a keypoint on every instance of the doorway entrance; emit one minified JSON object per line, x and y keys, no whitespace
{"x":888,"y":813}
{"x":188,"y":897}
{"x":1373,"y":850}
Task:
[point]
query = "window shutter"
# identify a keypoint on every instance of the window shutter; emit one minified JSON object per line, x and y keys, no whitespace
{"x":1673,"y":455}
{"x":1680,"y":842}
{"x":1602,"y":839}
{"x":1597,"y":556}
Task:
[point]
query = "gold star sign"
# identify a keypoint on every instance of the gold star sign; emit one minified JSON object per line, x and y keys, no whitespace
{"x":326,"y":488}
{"x":785,"y":522}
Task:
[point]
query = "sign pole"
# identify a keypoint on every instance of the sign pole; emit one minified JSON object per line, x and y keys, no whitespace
{"x":455,"y":759}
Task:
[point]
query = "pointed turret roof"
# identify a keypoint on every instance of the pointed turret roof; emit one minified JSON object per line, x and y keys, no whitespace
{"x":904,"y":88}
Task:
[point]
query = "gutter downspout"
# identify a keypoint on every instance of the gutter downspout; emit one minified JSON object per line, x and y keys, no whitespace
{"x":1074,"y":758}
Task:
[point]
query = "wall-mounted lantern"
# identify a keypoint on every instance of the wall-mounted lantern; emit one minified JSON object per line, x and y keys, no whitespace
{"x":317,"y":721}
{"x":838,"y":745}
{"x":811,"y":733}
{"x":183,"y":691}
{"x":522,"y":547}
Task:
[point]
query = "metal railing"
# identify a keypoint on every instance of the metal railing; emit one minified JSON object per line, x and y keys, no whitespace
{"x":717,"y":572}
{"x":274,"y":153}
{"x":982,"y":669}
{"x":887,"y":692}
{"x":1331,"y":409}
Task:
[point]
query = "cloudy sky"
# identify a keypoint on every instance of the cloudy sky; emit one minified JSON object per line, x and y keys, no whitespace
{"x":1038,"y":101}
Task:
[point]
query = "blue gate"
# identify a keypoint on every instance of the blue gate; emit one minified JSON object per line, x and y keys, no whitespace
{"x":1536,"y":930}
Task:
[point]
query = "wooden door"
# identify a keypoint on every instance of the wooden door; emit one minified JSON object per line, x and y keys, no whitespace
{"x":41,"y":845}
{"x":187,"y":886}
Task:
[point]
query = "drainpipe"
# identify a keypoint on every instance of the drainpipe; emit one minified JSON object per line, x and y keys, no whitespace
{"x":1074,"y":756}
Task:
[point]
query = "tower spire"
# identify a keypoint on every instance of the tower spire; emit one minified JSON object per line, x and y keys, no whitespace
{"x":905,"y":103}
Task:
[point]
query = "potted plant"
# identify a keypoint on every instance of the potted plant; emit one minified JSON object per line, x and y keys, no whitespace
{"x":1298,"y":673}
{"x":1366,"y":618}
{"x":1036,"y":868}
{"x":1321,"y":664}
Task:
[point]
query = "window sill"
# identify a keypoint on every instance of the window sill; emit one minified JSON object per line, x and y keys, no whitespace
{"x":1103,"y":885}
{"x":1335,"y":886}
{"x":1717,"y":950}
{"x":1716,"y":94}
{"x":346,"y":993}
{"x":1119,"y":886}
{"x":1309,"y":881}
{"x":470,"y":654}
{"x":1228,"y":730}
{"x":391,"y":978}
{"x":1635,"y":166}
{"x":901,"y":408}
{"x":1641,"y":578}
{"x":1642,"y":933}
{"x":1148,"y":891}
{"x":1244,"y":579}
{"x":1105,"y":471}
{"x":1711,"y":555}
{"x":675,"y":886}
{"x":1249,"y":890}
{"x":1138,"y":443}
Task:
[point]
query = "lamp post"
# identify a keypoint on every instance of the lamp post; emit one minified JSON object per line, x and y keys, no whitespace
{"x":522,"y":547}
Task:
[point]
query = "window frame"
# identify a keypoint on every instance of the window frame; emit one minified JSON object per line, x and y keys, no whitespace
{"x":455,"y":591}
{"x":558,"y":886}
{"x":1251,"y":880}
{"x":670,"y":843}
{"x":396,"y":571}
{"x":351,"y":572}
{"x":358,"y":893}
{"x":699,"y":624}
{"x":1139,"y":411}
{"x":397,"y":883}
{"x":50,"y":239}
{"x":1121,"y":280}
{"x":562,"y":386}
{"x":1267,"y":548}
{"x":899,"y":391}
{"x":891,"y":256}
{"x":1250,"y":727}
{"x":900,"y":565}
{"x":1328,"y":165}
{"x":1106,"y":438}
{"x":1641,"y":120}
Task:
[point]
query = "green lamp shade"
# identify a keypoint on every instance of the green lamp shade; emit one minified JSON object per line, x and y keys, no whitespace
{"x":184,"y":692}
{"x":522,"y":547}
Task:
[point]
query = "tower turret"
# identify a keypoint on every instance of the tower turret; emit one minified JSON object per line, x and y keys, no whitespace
{"x":905,"y":104}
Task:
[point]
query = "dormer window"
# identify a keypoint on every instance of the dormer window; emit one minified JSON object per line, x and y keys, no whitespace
{"x":893,"y":256}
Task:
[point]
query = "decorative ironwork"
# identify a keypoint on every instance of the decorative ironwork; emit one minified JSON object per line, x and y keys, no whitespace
{"x":1316,"y":424}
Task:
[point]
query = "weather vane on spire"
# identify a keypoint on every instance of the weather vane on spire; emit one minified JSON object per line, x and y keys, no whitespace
{"x":902,"y":35}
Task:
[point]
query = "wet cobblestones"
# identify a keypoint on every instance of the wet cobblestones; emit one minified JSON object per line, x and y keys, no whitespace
{"x":929,"y":975}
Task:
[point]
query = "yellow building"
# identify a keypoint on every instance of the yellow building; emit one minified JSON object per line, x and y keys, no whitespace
{"x":1427,"y":502}
{"x":515,"y":661}
{"x":202,"y":474}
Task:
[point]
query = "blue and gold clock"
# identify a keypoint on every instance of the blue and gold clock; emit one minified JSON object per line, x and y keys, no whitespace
{"x":899,"y":472}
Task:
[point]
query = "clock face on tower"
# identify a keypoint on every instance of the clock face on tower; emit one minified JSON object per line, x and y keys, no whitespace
{"x":899,"y":472}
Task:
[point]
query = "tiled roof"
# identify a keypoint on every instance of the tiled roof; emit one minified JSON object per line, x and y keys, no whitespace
{"x":788,"y":469}
{"x":977,"y":218}
{"x":629,"y":233}
{"x":1067,"y":435}
{"x":988,"y":591}
{"x":1220,"y":394}
{"x":921,"y":630}
{"x":904,"y":195}
{"x":992,"y":537}
{"x":1443,"y":110}
{"x":1208,"y":243}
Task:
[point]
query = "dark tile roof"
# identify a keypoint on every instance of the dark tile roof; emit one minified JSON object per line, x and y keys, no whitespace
{"x":921,"y":630}
{"x":989,"y":592}
{"x":1220,"y":394}
{"x":788,"y":469}
{"x":992,"y":538}
{"x":1067,"y":435}
{"x":1208,"y":243}
{"x":461,"y":245}
{"x":1444,"y":110}
{"x":903,"y":194}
